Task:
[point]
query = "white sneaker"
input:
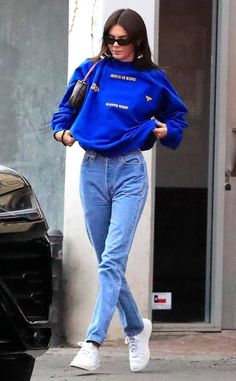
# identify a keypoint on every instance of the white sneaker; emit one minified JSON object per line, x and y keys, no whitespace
{"x":139,"y":353}
{"x":88,"y":358}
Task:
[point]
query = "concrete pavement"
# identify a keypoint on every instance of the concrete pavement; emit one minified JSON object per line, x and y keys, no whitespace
{"x":174,"y":357}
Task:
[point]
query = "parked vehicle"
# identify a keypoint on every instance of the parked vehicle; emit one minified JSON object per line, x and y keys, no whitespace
{"x":25,"y":278}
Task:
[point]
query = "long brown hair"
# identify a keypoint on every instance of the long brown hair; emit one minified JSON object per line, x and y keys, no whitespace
{"x":133,"y":23}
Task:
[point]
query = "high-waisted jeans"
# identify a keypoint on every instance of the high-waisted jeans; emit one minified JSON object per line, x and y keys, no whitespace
{"x":113,"y":193}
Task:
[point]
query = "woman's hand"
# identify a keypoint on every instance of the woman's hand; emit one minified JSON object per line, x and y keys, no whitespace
{"x":160,"y":131}
{"x":65,"y":138}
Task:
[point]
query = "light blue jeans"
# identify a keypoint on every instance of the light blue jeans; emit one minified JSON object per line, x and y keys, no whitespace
{"x":113,"y":193}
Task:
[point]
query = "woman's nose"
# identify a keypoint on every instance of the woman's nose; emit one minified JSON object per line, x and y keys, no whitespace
{"x":116,"y":43}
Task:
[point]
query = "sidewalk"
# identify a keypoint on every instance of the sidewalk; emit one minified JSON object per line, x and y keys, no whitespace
{"x":174,"y":357}
{"x":199,"y":346}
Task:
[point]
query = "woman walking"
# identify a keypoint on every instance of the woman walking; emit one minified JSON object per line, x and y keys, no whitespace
{"x":129,"y":105}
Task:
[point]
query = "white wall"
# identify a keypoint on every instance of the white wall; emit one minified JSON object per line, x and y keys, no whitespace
{"x":80,"y":279}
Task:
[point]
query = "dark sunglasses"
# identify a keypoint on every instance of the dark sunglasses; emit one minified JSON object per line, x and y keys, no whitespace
{"x":120,"y":41}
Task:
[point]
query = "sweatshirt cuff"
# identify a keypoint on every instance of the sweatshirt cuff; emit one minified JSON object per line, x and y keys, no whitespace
{"x":173,"y":137}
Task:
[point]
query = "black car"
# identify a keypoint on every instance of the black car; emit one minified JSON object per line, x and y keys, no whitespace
{"x":25,"y":278}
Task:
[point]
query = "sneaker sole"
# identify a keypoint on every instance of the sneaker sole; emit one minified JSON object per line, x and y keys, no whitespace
{"x":148,"y":328}
{"x":83,"y":367}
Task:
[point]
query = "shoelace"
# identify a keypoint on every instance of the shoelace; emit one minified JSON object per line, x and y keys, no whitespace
{"x":132,"y":343}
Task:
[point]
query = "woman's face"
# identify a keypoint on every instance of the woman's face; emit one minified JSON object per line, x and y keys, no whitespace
{"x":124,"y":53}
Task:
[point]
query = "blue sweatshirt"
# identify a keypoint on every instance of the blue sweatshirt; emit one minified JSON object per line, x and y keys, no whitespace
{"x":117,"y":116}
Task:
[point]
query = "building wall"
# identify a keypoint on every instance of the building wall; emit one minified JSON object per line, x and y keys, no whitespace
{"x":33,"y":64}
{"x":80,"y":280}
{"x":229,"y":280}
{"x":33,"y":78}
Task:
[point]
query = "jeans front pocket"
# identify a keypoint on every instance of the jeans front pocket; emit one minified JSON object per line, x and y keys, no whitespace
{"x":133,"y":158}
{"x":88,"y":156}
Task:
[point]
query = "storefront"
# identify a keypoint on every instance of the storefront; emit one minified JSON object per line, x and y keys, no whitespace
{"x":194,"y":240}
{"x":182,"y":266}
{"x":185,"y":250}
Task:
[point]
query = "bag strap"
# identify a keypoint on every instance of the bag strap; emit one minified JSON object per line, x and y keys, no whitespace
{"x":91,"y":69}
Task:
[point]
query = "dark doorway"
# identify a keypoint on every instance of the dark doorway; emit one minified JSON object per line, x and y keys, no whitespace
{"x":182,"y":243}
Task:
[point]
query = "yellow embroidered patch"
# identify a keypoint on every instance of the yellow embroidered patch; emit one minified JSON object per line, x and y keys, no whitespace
{"x":95,"y":87}
{"x":148,"y":98}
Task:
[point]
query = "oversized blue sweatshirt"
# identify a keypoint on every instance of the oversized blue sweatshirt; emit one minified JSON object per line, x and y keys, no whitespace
{"x":118,"y":113}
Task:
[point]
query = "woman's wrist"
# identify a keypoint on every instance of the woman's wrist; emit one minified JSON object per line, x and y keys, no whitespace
{"x":58,"y":135}
{"x":62,"y":138}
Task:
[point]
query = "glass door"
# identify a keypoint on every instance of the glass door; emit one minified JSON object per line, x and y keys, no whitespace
{"x":183,"y":200}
